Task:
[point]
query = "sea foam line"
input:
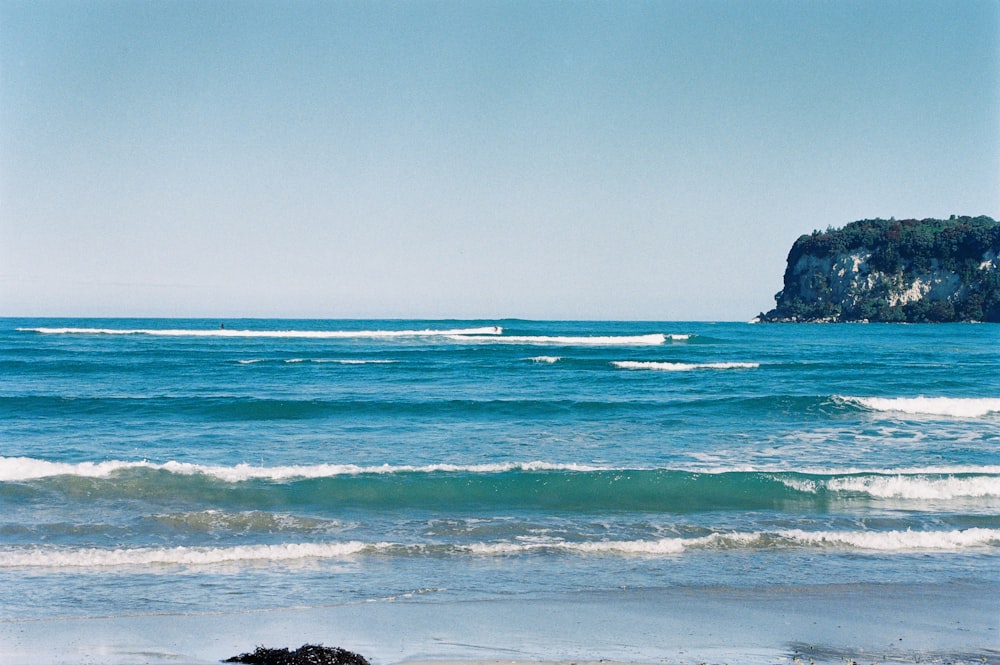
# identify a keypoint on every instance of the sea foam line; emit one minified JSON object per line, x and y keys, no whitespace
{"x":27,"y":468}
{"x":82,"y":557}
{"x":486,"y":331}
{"x":872,"y":541}
{"x":341,"y":361}
{"x":881,"y":541}
{"x":681,"y":367}
{"x":653,"y":339}
{"x":900,"y":486}
{"x":959,"y":407}
{"x":486,"y":334}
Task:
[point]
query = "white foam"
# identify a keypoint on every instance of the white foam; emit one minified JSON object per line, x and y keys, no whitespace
{"x":77,"y":557}
{"x":304,"y":334}
{"x":959,"y":407}
{"x":654,"y":339}
{"x":545,"y":359}
{"x":915,"y":485}
{"x":341,"y":361}
{"x":881,"y":541}
{"x":918,"y":487}
{"x":680,"y":367}
{"x":26,"y":468}
{"x":896,"y":541}
{"x":660,"y":547}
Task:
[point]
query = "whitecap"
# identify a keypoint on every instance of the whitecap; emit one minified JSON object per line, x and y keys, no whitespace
{"x":26,"y":468}
{"x":653,"y":339}
{"x":681,"y":367}
{"x":896,"y":541}
{"x":80,"y":557}
{"x":290,"y":334}
{"x":959,"y":407}
{"x":918,"y":487}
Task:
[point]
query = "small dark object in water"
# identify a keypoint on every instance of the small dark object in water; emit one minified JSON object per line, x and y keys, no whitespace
{"x":307,"y":654}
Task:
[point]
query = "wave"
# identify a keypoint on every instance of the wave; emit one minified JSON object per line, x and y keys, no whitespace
{"x":871,"y":541}
{"x":654,"y":339}
{"x":479,"y":335}
{"x":545,"y":359}
{"x":239,"y":408}
{"x":318,"y":361}
{"x":27,"y":468}
{"x":479,"y":332}
{"x":958,"y":407}
{"x":900,"y":486}
{"x":341,"y":361}
{"x":882,"y":541}
{"x":85,"y":557}
{"x":566,"y":488}
{"x":681,"y":367}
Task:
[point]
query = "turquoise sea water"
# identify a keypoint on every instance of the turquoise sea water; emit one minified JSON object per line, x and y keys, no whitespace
{"x":169,"y":466}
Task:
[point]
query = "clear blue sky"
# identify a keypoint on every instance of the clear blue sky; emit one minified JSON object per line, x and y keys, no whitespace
{"x":578,"y":159}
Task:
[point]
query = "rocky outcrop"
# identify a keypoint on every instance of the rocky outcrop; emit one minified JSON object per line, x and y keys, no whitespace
{"x":927,"y":270}
{"x":307,"y":654}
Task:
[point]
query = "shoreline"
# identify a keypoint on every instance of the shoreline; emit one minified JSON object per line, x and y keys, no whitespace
{"x":830,"y":624}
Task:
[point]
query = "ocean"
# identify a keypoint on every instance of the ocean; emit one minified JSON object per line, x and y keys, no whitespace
{"x":207,"y":468}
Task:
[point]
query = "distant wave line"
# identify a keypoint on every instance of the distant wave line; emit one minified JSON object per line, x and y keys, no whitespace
{"x":897,"y":541}
{"x":681,"y":367}
{"x":318,"y":361}
{"x":292,"y":334}
{"x":481,"y":335}
{"x":653,"y":339}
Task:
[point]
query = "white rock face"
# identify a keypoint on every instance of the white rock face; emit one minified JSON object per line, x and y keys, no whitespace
{"x":846,"y":278}
{"x":929,"y":270}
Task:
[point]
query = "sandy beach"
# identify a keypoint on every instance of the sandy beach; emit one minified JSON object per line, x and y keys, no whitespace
{"x":832,"y":624}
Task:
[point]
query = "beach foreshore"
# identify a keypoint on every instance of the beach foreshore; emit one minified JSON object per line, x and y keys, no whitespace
{"x":829,"y":624}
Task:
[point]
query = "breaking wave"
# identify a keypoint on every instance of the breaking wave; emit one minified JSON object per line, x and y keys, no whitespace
{"x":874,"y":541}
{"x":289,"y":334}
{"x":958,"y":407}
{"x":566,"y":488}
{"x":26,"y":468}
{"x":654,"y":339}
{"x":681,"y":367}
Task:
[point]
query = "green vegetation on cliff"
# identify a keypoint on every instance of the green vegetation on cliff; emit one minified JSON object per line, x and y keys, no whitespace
{"x":912,"y":270}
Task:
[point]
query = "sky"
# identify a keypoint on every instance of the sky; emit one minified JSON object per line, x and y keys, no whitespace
{"x":582,"y":159}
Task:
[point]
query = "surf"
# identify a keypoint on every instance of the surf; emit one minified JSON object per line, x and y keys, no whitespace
{"x":681,"y":367}
{"x":957,"y":407}
{"x":271,"y":334}
{"x":885,"y":542}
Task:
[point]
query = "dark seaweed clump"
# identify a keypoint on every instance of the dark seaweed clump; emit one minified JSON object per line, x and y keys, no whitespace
{"x":307,"y":654}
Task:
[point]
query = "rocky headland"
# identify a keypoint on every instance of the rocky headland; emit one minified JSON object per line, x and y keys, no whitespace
{"x":914,"y":271}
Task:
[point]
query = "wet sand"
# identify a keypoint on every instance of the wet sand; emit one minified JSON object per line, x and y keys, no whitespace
{"x":829,"y":624}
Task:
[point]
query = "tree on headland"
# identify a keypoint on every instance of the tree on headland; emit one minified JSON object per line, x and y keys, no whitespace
{"x":910,"y":270}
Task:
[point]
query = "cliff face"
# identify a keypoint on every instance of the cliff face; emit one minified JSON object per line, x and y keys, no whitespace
{"x":888,"y":270}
